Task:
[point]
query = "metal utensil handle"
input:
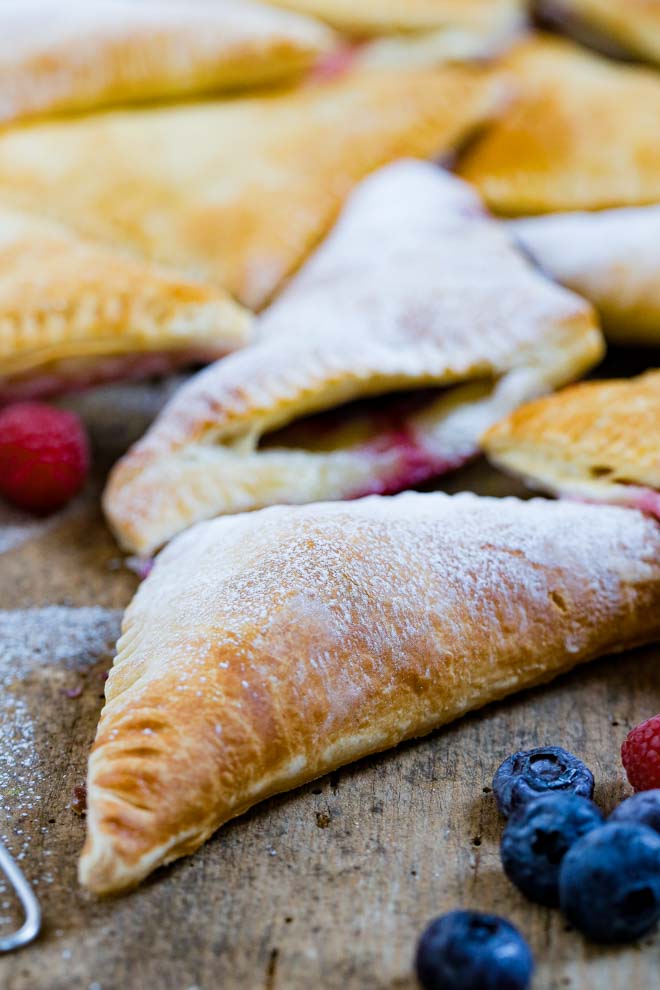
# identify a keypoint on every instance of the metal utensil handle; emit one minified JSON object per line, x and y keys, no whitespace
{"x":30,"y":927}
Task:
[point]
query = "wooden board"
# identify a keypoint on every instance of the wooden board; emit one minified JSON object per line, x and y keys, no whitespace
{"x":327,"y":887}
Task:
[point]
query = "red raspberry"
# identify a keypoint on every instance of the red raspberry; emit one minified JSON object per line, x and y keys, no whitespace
{"x":44,"y":456}
{"x":640,"y":754}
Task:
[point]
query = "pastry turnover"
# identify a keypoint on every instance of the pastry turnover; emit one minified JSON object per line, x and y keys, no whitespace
{"x":73,"y":313}
{"x":57,"y":56}
{"x":598,"y":441}
{"x":368,"y":17}
{"x":269,"y":648}
{"x":583,"y":134}
{"x":611,"y":257}
{"x":238,"y":191}
{"x":417,"y":302}
{"x":619,"y":26}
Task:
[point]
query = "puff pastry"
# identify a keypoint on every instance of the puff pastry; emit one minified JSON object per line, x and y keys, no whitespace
{"x":617,"y":26}
{"x":598,"y":441}
{"x":369,"y":17}
{"x":611,"y":257}
{"x":269,"y":648}
{"x":583,"y":134}
{"x":73,"y":313}
{"x":416,"y":290}
{"x":238,"y":191}
{"x":77,"y":55}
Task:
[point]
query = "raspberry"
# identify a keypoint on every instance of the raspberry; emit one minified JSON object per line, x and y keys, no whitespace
{"x":44,"y":456}
{"x":640,"y":754}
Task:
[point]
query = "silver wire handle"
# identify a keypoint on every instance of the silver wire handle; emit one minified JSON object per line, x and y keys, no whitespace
{"x":30,"y":927}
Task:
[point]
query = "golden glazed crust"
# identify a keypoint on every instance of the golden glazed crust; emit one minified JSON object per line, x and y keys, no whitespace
{"x":633,"y":25}
{"x":79,"y":55}
{"x":69,"y":309}
{"x":238,"y":191}
{"x":267,"y":649}
{"x":611,"y":257}
{"x":598,"y":441}
{"x":583,"y":134}
{"x":417,"y":287}
{"x":383,"y":16}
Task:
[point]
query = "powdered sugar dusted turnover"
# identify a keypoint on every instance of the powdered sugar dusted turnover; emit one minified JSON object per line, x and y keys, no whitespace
{"x":417,"y":290}
{"x":268,"y":648}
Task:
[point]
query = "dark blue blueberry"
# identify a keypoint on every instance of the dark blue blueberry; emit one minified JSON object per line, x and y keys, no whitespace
{"x":640,"y":809}
{"x":609,"y":883}
{"x":538,"y":771}
{"x":469,"y":950}
{"x":537,"y":837}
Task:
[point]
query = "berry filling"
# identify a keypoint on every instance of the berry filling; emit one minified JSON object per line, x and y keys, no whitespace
{"x":76,"y":374}
{"x":335,"y":64}
{"x":383,"y":433}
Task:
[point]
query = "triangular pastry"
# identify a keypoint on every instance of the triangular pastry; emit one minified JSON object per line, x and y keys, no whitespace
{"x":369,"y":17}
{"x":238,"y":191}
{"x":417,"y":292}
{"x":612,"y":257}
{"x":269,"y":648}
{"x":598,"y":441}
{"x":619,"y":27}
{"x":77,"y":55}
{"x":73,"y":313}
{"x":583,"y":134}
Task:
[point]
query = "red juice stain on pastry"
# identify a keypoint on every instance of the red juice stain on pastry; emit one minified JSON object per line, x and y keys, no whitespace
{"x":414,"y":463}
{"x":101,"y":371}
{"x":335,"y":64}
{"x":646,"y":500}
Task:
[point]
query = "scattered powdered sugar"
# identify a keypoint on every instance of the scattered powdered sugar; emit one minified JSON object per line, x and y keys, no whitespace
{"x":20,"y":776}
{"x":18,"y":527}
{"x":30,"y":640}
{"x":54,"y":635}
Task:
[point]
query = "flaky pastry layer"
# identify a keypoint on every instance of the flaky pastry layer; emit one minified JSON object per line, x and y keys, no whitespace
{"x":598,"y":441}
{"x":79,"y":55}
{"x":416,"y":288}
{"x":269,"y":648}
{"x":73,"y":312}
{"x":238,"y":191}
{"x":583,"y":134}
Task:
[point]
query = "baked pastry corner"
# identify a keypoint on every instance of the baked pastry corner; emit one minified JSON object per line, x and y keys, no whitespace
{"x":598,"y":441}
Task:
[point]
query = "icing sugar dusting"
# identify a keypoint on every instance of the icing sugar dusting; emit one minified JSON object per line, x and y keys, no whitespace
{"x":18,"y":527}
{"x":30,"y":641}
{"x":390,"y":578}
{"x":54,"y":636}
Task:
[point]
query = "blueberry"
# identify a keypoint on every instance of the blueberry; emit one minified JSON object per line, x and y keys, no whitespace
{"x":642,"y":809}
{"x":469,"y":950}
{"x":537,"y":837}
{"x":609,"y":882}
{"x":528,"y":775}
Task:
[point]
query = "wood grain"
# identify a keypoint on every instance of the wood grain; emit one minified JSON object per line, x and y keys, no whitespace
{"x":326,"y":887}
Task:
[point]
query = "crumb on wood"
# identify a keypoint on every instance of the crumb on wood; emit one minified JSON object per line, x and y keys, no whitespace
{"x":79,"y":803}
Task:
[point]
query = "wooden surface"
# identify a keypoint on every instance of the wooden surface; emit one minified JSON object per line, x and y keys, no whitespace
{"x":327,"y":887}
